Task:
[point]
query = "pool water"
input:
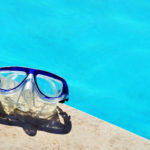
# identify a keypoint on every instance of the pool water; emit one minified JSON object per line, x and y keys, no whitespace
{"x":102,"y":49}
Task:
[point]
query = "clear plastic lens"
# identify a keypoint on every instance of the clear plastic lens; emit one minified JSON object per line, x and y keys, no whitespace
{"x":11,"y":79}
{"x":49,"y":86}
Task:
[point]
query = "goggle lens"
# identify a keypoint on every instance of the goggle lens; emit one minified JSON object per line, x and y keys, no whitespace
{"x":49,"y":86}
{"x":11,"y":79}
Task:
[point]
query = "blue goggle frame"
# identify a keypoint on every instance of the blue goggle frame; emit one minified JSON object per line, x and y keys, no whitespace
{"x":36,"y":72}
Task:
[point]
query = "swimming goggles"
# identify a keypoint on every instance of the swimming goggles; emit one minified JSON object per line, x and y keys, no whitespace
{"x":31,"y":90}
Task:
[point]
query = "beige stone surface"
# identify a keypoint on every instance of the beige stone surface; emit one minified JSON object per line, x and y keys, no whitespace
{"x":87,"y":133}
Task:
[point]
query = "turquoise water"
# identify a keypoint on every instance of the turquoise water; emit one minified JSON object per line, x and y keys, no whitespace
{"x":102,"y":49}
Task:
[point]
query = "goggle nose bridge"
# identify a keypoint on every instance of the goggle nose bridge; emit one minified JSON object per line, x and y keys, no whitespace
{"x":29,"y":82}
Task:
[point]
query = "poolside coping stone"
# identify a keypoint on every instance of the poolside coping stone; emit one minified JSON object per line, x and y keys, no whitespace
{"x":87,"y":133}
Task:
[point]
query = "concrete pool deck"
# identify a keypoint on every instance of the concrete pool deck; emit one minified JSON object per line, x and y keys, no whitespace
{"x":87,"y":133}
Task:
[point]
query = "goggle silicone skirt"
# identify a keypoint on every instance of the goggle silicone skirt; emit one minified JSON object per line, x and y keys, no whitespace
{"x":31,"y":90}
